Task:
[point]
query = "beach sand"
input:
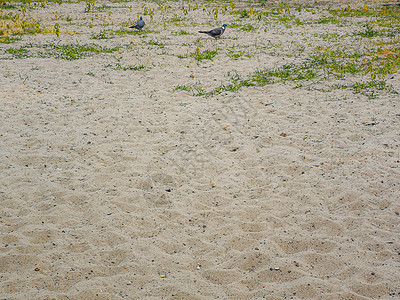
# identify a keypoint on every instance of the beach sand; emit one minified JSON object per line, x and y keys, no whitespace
{"x":119,"y":184}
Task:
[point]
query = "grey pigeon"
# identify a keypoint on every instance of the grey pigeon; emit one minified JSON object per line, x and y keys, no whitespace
{"x":139,"y":24}
{"x":216,"y":32}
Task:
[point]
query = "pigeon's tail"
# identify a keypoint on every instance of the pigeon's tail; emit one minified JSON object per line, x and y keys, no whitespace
{"x":203,"y":31}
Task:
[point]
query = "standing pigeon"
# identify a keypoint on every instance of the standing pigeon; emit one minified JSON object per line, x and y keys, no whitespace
{"x":139,"y":24}
{"x":216,"y":32}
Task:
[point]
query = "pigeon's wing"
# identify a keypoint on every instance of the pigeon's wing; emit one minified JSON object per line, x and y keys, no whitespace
{"x":215,"y":31}
{"x":135,"y":26}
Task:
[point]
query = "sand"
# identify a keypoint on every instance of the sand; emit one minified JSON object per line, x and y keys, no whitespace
{"x":116,"y":184}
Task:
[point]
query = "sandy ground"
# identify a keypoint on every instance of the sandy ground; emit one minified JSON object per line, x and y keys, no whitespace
{"x":113,"y":185}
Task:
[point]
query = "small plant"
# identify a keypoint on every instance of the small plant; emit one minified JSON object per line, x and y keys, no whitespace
{"x":235,"y":54}
{"x":156,"y":43}
{"x":247,"y":27}
{"x":369,"y":31}
{"x":90,"y":5}
{"x":182,"y":32}
{"x":206,"y":54}
{"x":215,"y":12}
{"x":182,"y":88}
{"x":18,"y":53}
{"x":102,"y":35}
{"x":148,"y":11}
{"x":8,"y":40}
{"x":283,"y":8}
{"x":57,"y":29}
{"x":118,"y":66}
{"x":232,"y":4}
{"x":75,"y":51}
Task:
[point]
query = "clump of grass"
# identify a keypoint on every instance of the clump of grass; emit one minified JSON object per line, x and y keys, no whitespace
{"x":206,"y":54}
{"x":182,"y":32}
{"x":368,"y":88}
{"x":243,"y":13}
{"x":175,"y":19}
{"x":338,"y":62}
{"x":330,"y":20}
{"x":118,"y":66}
{"x":75,"y":51}
{"x":156,"y":43}
{"x":368,"y":31}
{"x":12,"y":24}
{"x":247,"y":27}
{"x":383,"y":12}
{"x":182,"y":88}
{"x":21,"y":52}
{"x":102,"y":35}
{"x":326,"y":63}
{"x":8,"y":40}
{"x":235,"y":54}
{"x":4,"y":5}
{"x":90,"y":5}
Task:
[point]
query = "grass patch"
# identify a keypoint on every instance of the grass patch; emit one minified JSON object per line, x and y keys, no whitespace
{"x":21,"y":52}
{"x":206,"y":54}
{"x":182,"y":32}
{"x":368,"y":88}
{"x":182,"y":88}
{"x":8,"y":40}
{"x":11,"y":24}
{"x":68,"y":51}
{"x":102,"y":35}
{"x":125,"y":68}
{"x":156,"y":43}
{"x":75,"y":51}
{"x":324,"y":64}
{"x":247,"y":27}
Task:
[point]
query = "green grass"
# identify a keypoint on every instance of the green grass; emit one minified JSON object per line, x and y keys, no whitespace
{"x":67,"y":51}
{"x":8,"y":40}
{"x":247,"y":27}
{"x":331,"y":20}
{"x":368,"y":31}
{"x":368,"y":88}
{"x":102,"y":35}
{"x":75,"y":51}
{"x":156,"y":43}
{"x":18,"y":53}
{"x":14,"y":23}
{"x":327,"y":63}
{"x":206,"y":54}
{"x":182,"y":88}
{"x":118,"y":66}
{"x":182,"y":32}
{"x":389,"y":13}
{"x":235,"y":54}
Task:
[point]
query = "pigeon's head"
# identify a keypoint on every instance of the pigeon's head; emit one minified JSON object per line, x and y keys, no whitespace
{"x":224,"y":26}
{"x":141,"y":18}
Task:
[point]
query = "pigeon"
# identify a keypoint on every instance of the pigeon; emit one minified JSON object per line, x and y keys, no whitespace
{"x":216,"y":32}
{"x":139,"y":24}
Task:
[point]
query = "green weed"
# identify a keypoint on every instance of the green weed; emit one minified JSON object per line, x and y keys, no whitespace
{"x":182,"y":88}
{"x":8,"y":40}
{"x":182,"y":32}
{"x":102,"y":35}
{"x":118,"y":66}
{"x":18,"y":53}
{"x":206,"y":54}
{"x":247,"y":27}
{"x":156,"y":43}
